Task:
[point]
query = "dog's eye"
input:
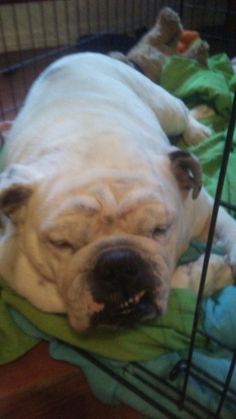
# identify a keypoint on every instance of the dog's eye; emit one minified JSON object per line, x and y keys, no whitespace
{"x":62,"y":245}
{"x":159,"y":231}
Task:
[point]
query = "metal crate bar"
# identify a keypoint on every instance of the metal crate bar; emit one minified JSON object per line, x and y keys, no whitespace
{"x":99,"y":364}
{"x":225,"y":158}
{"x":192,"y":406}
{"x":204,"y":377}
{"x":226,"y":385}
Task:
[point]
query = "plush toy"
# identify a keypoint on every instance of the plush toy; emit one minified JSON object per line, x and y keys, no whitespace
{"x":186,"y":40}
{"x":165,"y":39}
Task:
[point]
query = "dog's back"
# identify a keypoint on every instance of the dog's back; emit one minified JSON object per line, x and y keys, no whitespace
{"x":82,"y":102}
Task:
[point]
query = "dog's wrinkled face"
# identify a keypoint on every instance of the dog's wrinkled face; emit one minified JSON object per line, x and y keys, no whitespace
{"x":108,"y":246}
{"x":108,"y":243}
{"x":110,"y":251}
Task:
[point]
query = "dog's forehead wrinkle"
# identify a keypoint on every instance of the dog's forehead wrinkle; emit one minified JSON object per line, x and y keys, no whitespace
{"x":106,"y":198}
{"x":139,"y":198}
{"x":116,"y":201}
{"x":70,"y":205}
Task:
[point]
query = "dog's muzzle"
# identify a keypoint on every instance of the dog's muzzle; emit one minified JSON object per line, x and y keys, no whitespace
{"x":124,"y":282}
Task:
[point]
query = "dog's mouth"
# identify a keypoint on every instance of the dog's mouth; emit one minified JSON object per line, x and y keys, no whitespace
{"x":127,"y":313}
{"x":124,"y":284}
{"x":132,"y":301}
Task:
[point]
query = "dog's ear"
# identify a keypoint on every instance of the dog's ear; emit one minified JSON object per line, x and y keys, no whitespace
{"x":16,"y":186}
{"x":187,"y":171}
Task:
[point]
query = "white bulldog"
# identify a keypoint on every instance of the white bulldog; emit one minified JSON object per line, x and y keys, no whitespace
{"x":96,"y":205}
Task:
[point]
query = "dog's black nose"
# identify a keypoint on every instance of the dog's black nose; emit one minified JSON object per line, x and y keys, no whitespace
{"x":121,"y":270}
{"x":123,"y":280}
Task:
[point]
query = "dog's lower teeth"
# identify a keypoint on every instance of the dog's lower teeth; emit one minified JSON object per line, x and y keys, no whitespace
{"x":132,"y":300}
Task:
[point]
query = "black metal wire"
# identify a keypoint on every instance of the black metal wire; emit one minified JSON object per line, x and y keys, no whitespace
{"x":67,"y":22}
{"x":43,"y":27}
{"x":55,"y":23}
{"x":181,"y":9}
{"x":98,"y":14}
{"x":192,"y":406}
{"x":18,"y":43}
{"x":203,"y":376}
{"x":228,"y":205}
{"x":226,"y":385}
{"x":99,"y":364}
{"x":213,"y":339}
{"x":31,"y":34}
{"x":224,"y":163}
{"x":6,"y":56}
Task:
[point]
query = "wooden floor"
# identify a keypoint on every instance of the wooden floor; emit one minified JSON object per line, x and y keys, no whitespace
{"x":36,"y":386}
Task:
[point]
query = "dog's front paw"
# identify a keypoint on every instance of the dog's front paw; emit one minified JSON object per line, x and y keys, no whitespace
{"x":201,"y":112}
{"x":219,"y":275}
{"x":195,"y":132}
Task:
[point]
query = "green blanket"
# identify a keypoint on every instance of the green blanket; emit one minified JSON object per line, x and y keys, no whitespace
{"x":214,"y":87}
{"x":141,"y":343}
{"x":194,"y":85}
